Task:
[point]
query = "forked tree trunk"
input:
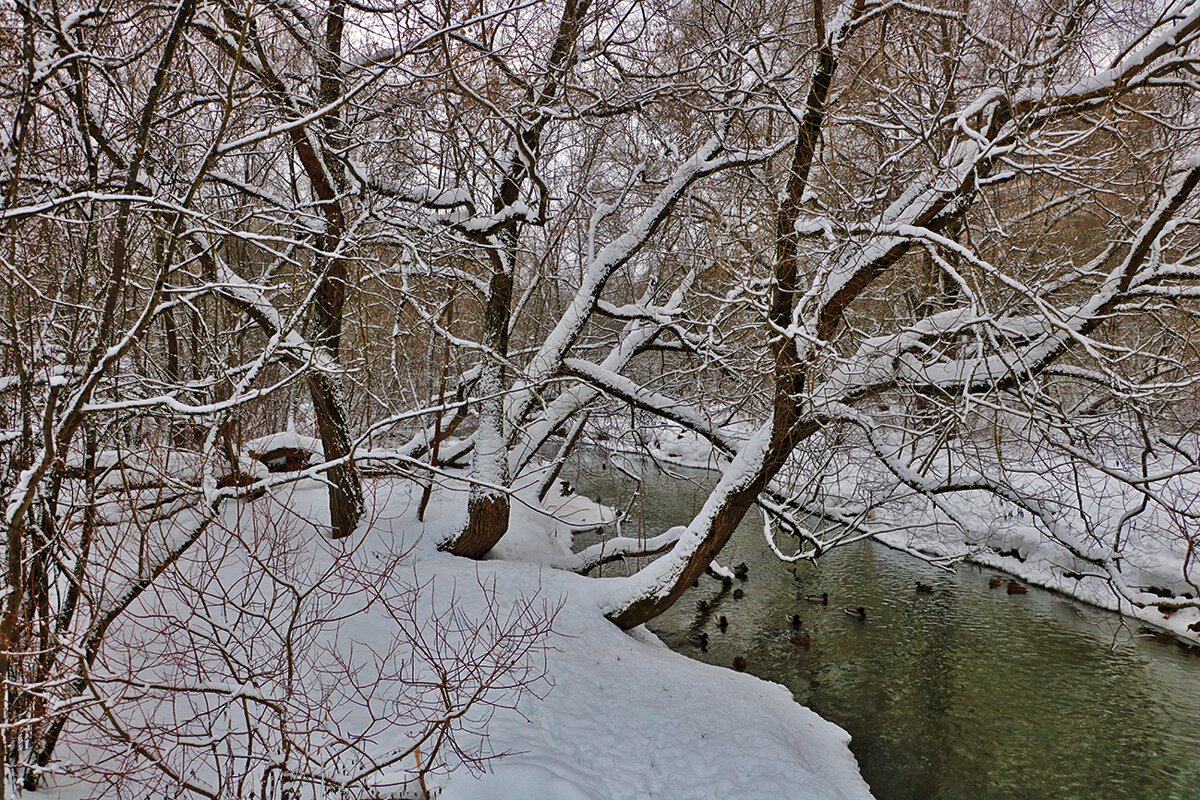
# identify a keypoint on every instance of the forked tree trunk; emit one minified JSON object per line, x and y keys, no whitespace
{"x":488,"y":505}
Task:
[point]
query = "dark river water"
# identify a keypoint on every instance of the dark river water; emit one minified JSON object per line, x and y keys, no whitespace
{"x":965,"y":693}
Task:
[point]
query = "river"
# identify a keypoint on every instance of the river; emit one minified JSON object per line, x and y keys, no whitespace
{"x":968,"y":692}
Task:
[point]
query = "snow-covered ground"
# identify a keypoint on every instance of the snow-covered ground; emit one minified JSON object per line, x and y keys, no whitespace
{"x":602,"y":714}
{"x":626,"y":717}
{"x":394,"y":634}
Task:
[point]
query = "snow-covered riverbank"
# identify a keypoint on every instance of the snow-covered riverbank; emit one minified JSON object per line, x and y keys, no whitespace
{"x":586,"y":712}
{"x":628,"y":718}
{"x":1154,"y":564}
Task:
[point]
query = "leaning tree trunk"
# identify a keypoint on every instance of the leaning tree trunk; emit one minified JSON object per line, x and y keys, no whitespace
{"x":761,"y":459}
{"x":752,"y":469}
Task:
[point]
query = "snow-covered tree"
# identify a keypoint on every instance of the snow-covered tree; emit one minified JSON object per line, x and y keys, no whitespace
{"x":969,"y":249}
{"x":879,"y":256}
{"x":1031,"y":190}
{"x":182,"y":211}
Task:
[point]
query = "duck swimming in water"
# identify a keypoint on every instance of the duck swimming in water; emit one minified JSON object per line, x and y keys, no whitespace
{"x":703,"y":605}
{"x":859,"y":612}
{"x":741,"y":571}
{"x":722,"y":623}
{"x":801,"y":640}
{"x":700,"y":639}
{"x":739,"y":663}
{"x":994,"y":582}
{"x":924,"y":588}
{"x":794,"y":620}
{"x":822,"y":598}
{"x":1016,"y":588}
{"x":738,"y":594}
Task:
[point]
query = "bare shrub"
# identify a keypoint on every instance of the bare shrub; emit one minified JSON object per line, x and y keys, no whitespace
{"x":269,"y":665}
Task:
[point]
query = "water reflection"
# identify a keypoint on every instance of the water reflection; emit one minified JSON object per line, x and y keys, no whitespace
{"x":967,"y":692}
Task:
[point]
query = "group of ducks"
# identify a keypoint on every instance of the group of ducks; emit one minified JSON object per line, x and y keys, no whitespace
{"x":801,"y":638}
{"x":1013,"y":586}
{"x":741,"y":572}
{"x":823,"y":599}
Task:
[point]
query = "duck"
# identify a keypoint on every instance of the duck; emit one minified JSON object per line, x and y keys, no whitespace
{"x":1016,"y":588}
{"x":700,"y":639}
{"x":924,"y":588}
{"x":795,"y":620}
{"x":1194,"y":627}
{"x":741,"y":571}
{"x":722,"y":623}
{"x":801,"y":640}
{"x":859,"y":612}
{"x":738,"y":594}
{"x":739,"y":663}
{"x":703,"y":605}
{"x":822,"y":598}
{"x":995,"y":581}
{"x":565,"y":487}
{"x":726,"y":581}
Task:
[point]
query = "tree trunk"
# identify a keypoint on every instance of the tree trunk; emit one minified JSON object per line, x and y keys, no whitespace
{"x":709,"y":532}
{"x":764,"y":455}
{"x":487,"y":508}
{"x":345,"y":487}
